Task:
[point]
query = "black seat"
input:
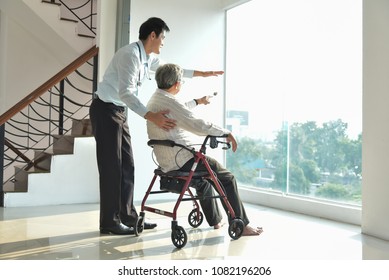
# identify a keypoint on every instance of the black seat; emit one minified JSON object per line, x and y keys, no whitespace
{"x":177,"y":173}
{"x":173,"y":181}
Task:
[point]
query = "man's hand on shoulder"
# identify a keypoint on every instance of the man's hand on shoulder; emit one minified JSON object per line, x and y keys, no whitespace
{"x":160,"y":119}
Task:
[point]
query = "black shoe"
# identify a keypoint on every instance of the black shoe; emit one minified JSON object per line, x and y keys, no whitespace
{"x":149,"y":225}
{"x":119,"y":229}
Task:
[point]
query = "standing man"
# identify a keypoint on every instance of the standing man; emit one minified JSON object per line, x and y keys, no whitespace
{"x":118,"y":90}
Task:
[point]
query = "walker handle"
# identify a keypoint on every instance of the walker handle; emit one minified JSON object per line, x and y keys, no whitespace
{"x":169,"y":143}
{"x":214,"y":142}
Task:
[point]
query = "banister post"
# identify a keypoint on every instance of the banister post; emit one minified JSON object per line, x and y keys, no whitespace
{"x":2,"y":145}
{"x":95,"y":72}
{"x":61,"y":106}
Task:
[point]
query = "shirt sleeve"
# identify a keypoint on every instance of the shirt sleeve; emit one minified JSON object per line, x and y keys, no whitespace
{"x":188,"y":121}
{"x":156,"y":62}
{"x":188,"y":73}
{"x":190,"y":104}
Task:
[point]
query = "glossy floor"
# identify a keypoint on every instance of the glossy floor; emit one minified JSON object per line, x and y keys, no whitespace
{"x":71,"y":232}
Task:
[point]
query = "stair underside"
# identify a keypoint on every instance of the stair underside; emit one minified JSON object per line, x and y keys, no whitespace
{"x":63,"y":145}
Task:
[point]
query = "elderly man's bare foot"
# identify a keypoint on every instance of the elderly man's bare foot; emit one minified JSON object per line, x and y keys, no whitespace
{"x":248,"y":231}
{"x":219,"y":225}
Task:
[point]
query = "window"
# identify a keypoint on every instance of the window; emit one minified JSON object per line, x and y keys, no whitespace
{"x":294,"y":96}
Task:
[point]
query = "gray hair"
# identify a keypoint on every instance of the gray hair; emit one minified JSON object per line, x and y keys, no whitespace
{"x":167,"y":75}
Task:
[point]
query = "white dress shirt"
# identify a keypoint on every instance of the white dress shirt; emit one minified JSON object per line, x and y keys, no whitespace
{"x":125,"y":73}
{"x":174,"y":158}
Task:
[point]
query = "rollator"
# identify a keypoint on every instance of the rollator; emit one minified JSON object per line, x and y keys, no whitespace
{"x":180,"y":182}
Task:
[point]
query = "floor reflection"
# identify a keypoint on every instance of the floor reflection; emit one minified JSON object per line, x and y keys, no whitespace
{"x":70,"y":232}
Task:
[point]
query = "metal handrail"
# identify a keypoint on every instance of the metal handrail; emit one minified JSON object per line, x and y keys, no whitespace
{"x":49,"y":84}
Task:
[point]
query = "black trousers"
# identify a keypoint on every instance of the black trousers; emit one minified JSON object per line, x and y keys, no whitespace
{"x":115,"y":163}
{"x":227,"y":181}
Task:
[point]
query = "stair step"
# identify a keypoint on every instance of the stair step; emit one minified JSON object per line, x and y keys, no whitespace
{"x":82,"y":127}
{"x":63,"y":144}
{"x":42,"y":164}
{"x":20,"y":183}
{"x":84,"y":31}
{"x":83,"y":13}
{"x":55,"y":2}
{"x":10,"y":187}
{"x":43,"y":159}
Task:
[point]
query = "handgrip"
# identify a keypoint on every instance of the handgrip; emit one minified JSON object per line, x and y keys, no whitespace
{"x":168,"y":143}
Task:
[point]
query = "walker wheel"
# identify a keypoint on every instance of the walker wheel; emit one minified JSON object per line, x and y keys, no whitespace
{"x":235,"y":229}
{"x":139,"y":224}
{"x":194,"y":219}
{"x":179,"y":237}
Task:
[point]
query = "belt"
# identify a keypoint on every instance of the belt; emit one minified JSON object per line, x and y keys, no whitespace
{"x":109,"y":104}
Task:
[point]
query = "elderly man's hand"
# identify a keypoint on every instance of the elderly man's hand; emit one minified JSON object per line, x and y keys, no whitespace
{"x":203,"y":100}
{"x":232,"y":141}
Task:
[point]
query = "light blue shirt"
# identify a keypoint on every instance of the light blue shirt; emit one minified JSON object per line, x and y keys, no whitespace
{"x":125,"y":73}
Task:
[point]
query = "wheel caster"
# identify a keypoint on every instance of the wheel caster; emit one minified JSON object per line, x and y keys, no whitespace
{"x":139,"y":224}
{"x":235,"y":229}
{"x":194,"y":219}
{"x":179,"y":237}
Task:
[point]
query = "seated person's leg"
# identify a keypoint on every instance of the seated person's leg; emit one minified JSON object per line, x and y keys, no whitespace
{"x":230,"y":186}
{"x":209,"y":205}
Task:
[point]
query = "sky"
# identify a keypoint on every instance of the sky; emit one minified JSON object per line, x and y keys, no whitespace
{"x":295,"y":61}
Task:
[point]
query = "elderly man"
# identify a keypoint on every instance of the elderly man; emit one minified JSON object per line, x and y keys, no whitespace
{"x":169,"y":80}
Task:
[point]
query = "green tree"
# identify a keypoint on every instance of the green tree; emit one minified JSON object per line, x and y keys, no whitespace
{"x":332,"y":141}
{"x":334,"y":192}
{"x":304,"y":154}
{"x":353,"y":155}
{"x":313,"y":151}
{"x":249,"y":150}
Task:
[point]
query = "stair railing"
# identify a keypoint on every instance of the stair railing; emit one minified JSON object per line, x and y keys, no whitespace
{"x":87,"y":19}
{"x":29,"y":127}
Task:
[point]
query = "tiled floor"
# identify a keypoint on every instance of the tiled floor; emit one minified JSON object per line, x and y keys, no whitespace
{"x":71,"y":232}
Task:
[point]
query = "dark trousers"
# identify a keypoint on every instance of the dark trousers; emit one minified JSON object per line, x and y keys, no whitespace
{"x":210,"y":208}
{"x":115,"y":163}
{"x":228,"y":182}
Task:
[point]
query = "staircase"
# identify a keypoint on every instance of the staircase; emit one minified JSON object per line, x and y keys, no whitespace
{"x":65,"y":174}
{"x":60,"y":168}
{"x":62,"y":145}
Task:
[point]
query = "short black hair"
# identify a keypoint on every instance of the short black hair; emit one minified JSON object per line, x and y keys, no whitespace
{"x":152,"y":24}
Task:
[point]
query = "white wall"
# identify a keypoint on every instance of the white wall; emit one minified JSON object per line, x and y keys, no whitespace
{"x":106,"y":33}
{"x":375,"y":154}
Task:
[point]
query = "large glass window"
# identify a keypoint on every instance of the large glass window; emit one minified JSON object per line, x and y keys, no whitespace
{"x":294,"y":96}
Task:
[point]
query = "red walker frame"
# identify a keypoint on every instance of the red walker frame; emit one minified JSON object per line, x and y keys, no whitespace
{"x":195,"y":217}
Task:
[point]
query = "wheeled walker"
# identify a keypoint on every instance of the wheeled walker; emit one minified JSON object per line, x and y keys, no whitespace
{"x":180,"y":182}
